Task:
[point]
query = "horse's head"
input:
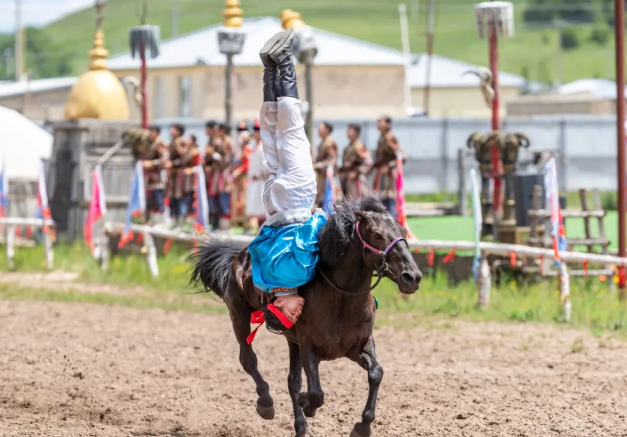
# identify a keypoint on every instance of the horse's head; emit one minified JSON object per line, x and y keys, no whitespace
{"x":366,"y":226}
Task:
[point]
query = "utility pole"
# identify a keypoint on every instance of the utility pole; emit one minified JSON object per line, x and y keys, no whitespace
{"x":19,"y":41}
{"x":402,"y":13}
{"x":430,"y":41}
{"x":619,"y":33}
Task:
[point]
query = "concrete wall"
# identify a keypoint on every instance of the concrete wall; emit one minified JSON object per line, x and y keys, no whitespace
{"x":340,"y":92}
{"x":461,"y":102}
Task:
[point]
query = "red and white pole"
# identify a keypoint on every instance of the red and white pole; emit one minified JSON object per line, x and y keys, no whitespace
{"x":144,"y":108}
{"x":497,"y":170}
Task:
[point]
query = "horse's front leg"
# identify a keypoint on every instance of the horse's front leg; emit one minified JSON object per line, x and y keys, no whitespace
{"x":368,"y":360}
{"x":240,"y":316}
{"x":314,"y":398}
{"x":294,"y":384}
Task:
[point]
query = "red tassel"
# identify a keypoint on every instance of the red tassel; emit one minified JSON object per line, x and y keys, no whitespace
{"x":449,"y":256}
{"x":140,"y":238}
{"x":18,"y":231}
{"x":512,"y":259}
{"x":29,"y":232}
{"x":417,"y":250}
{"x":166,"y":246}
{"x":256,"y":317}
{"x":542,"y":265}
{"x":622,"y":276}
{"x":431,"y":256}
{"x":585,"y":268}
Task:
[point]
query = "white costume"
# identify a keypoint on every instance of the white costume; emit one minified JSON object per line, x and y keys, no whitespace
{"x":291,"y":187}
{"x":256,"y":182}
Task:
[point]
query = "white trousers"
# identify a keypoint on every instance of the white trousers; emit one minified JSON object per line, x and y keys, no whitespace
{"x":292,"y":183}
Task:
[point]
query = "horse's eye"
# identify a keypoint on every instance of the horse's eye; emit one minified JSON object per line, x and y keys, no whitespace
{"x":378,"y":236}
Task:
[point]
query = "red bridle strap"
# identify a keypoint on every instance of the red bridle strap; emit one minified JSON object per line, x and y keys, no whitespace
{"x":374,"y":249}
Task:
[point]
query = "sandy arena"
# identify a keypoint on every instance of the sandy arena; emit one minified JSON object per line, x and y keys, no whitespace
{"x":88,"y":370}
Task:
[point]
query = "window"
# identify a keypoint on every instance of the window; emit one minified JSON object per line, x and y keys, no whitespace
{"x":185,"y":96}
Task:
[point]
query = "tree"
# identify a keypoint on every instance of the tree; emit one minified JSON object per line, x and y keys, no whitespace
{"x":539,"y":12}
{"x":43,"y":57}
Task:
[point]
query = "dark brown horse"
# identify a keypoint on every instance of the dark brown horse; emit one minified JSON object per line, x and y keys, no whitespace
{"x":359,"y":238}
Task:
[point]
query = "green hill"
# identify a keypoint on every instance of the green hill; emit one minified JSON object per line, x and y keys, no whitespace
{"x":532,"y":52}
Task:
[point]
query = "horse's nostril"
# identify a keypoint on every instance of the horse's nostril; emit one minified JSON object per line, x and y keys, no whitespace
{"x":409,"y":278}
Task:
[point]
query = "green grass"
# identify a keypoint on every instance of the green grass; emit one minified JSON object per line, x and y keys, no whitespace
{"x":371,"y":20}
{"x":595,"y":307}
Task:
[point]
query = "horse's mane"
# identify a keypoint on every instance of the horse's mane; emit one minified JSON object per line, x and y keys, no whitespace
{"x":338,"y":231}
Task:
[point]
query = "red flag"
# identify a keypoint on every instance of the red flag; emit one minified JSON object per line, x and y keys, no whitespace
{"x":400,"y":195}
{"x":97,"y":208}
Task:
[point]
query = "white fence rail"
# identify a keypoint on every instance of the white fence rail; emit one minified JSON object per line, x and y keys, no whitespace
{"x":10,"y":225}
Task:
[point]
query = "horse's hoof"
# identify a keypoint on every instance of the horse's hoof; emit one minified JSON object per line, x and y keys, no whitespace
{"x":265,"y":412}
{"x":354,"y":433}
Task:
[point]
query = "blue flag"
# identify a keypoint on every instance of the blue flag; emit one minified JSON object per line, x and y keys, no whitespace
{"x":136,"y":203}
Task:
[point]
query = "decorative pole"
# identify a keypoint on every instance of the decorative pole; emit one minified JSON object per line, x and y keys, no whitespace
{"x":619,"y":26}
{"x":141,"y":38}
{"x":305,"y":50}
{"x":499,"y":18}
{"x":430,"y":41}
{"x":231,"y":42}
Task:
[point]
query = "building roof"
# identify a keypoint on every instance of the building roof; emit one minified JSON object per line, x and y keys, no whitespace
{"x":449,"y":73}
{"x":600,"y":88}
{"x":201,"y":48}
{"x":23,"y":145}
{"x":8,"y":89}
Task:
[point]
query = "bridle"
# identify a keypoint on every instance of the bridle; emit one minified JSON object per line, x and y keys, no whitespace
{"x":381,"y":269}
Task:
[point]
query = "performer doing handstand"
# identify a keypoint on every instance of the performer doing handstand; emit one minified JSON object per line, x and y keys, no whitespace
{"x":285,"y":253}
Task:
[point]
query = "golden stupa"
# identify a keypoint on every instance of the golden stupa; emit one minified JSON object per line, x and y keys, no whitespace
{"x":98,"y":93}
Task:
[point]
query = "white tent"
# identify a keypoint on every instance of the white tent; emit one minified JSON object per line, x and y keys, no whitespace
{"x":23,"y":145}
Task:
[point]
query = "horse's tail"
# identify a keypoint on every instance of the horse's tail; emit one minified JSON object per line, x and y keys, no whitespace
{"x":212,"y":264}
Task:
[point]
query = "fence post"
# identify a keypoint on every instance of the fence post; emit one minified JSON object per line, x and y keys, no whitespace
{"x":103,"y":242}
{"x":462,"y":198}
{"x":10,"y":249}
{"x":151,"y":254}
{"x":564,"y":279}
{"x":484,"y":283}
{"x":48,"y":250}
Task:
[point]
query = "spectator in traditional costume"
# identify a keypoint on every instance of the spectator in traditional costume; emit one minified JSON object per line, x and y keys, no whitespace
{"x":155,"y":160}
{"x":239,"y":174}
{"x":327,"y":156}
{"x":385,"y":164}
{"x":211,"y":176}
{"x":181,"y":182}
{"x":356,"y":164}
{"x":257,"y":176}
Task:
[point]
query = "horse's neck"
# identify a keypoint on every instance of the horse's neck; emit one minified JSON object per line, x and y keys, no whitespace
{"x":352,"y":275}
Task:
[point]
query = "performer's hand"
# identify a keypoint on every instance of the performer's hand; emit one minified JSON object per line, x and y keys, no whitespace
{"x":352,"y":175}
{"x":147,"y":164}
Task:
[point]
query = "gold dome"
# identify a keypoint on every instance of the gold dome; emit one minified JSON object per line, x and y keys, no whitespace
{"x":98,"y":93}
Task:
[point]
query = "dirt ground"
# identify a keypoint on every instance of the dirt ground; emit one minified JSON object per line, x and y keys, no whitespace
{"x":89,"y":370}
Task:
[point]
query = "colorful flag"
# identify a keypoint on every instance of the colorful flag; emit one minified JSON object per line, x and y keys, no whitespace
{"x":97,"y":206}
{"x":328,"y":199}
{"x":477,"y":218}
{"x":136,"y":203}
{"x":201,"y":203}
{"x":4,"y":189}
{"x":43,"y":210}
{"x":552,"y":198}
{"x":400,"y":195}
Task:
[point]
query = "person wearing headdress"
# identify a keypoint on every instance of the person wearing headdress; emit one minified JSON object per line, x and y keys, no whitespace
{"x":326,"y":157}
{"x":222,"y":180}
{"x":181,"y":180}
{"x":239,"y":175}
{"x":257,"y":175}
{"x":211,"y":175}
{"x":385,"y":164}
{"x":356,"y":163}
{"x":154,"y":162}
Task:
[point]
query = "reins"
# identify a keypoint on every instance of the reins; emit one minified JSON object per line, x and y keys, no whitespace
{"x":380,"y":270}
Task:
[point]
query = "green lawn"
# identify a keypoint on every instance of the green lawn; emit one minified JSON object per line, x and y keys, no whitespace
{"x":450,"y":228}
{"x":377,"y":21}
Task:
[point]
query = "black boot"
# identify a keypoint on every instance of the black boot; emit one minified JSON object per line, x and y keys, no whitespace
{"x":270,"y":69}
{"x":279,"y":50}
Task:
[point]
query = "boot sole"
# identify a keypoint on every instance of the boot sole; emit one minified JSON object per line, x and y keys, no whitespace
{"x":276,"y":43}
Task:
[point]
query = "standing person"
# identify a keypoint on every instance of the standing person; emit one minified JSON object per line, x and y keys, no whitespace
{"x":356,"y":163}
{"x":385,"y":164}
{"x":180,"y":186}
{"x":211,"y":176}
{"x":284,"y":254}
{"x":154,"y":164}
{"x":239,"y":173}
{"x":327,"y":156}
{"x":257,"y":175}
{"x":223,"y":167}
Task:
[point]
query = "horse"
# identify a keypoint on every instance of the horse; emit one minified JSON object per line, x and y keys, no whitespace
{"x":360,"y":237}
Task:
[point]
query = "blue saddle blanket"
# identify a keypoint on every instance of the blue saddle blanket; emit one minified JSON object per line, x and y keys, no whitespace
{"x":285,"y":253}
